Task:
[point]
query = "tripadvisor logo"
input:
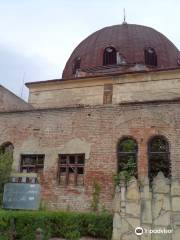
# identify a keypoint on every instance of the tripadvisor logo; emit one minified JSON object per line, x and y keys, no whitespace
{"x":139,"y":231}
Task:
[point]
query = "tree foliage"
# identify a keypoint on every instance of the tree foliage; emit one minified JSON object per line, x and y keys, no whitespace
{"x":95,"y":196}
{"x":127,"y":160}
{"x":6,"y":159}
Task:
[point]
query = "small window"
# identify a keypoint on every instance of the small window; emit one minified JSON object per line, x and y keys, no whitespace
{"x":158,"y":151}
{"x":76,"y":65}
{"x":108,"y":91}
{"x":32,"y":163}
{"x":71,"y":169}
{"x":150,"y":57}
{"x":110,"y":56}
{"x":127,"y":156}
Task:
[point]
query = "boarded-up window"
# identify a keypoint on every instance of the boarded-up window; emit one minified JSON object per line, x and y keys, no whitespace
{"x":108,"y":91}
{"x":32,"y":163}
{"x":71,"y":169}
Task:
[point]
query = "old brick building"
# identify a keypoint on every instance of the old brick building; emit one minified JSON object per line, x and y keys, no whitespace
{"x":122,"y":83}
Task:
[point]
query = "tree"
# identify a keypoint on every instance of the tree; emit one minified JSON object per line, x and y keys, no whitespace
{"x":6,"y":159}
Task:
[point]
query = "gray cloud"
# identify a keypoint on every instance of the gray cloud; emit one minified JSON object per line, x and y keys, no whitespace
{"x":15,"y":67}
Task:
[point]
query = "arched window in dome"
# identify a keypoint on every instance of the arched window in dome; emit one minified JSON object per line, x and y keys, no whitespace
{"x":110,"y":56}
{"x":150,"y":57}
{"x":76,"y":64}
{"x":159,"y":160}
{"x":127,"y":150}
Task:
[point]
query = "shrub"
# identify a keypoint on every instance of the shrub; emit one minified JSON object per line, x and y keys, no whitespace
{"x":69,"y":225}
{"x":95,"y":196}
{"x":5,"y":170}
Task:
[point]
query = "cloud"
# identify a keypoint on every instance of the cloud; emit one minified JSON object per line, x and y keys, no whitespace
{"x":15,"y":68}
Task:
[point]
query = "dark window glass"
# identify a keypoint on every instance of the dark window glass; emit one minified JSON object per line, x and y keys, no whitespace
{"x":150,"y":57}
{"x":71,"y":169}
{"x":63,"y":169}
{"x":159,"y":160}
{"x":80,"y":170}
{"x":109,"y":56}
{"x":127,"y":156}
{"x":80,"y":159}
{"x":72,"y":159}
{"x":32,"y":163}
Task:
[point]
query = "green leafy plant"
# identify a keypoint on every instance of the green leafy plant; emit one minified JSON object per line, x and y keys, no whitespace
{"x":69,"y":225}
{"x":6,"y":159}
{"x":95,"y":196}
{"x":129,"y":170}
{"x":73,"y":235}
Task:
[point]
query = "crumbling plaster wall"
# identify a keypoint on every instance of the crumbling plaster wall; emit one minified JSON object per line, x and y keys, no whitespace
{"x":144,"y":86}
{"x":97,"y":129}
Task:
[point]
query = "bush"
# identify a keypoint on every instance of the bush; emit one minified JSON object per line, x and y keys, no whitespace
{"x":69,"y":225}
{"x":5,"y":170}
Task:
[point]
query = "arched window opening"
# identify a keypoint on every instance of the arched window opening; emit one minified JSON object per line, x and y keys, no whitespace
{"x":7,"y":147}
{"x":76,"y":65}
{"x":150,"y":57}
{"x":159,"y":159}
{"x":110,"y":56}
{"x":127,"y":157}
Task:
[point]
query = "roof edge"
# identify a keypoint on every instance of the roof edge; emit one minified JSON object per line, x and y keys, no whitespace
{"x":100,"y":76}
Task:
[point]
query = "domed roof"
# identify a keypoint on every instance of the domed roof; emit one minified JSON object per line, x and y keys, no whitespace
{"x":129,"y":40}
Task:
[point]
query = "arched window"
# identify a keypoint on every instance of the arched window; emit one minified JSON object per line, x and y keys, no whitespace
{"x":150,"y":57}
{"x":7,"y":147}
{"x":159,"y":160}
{"x":76,"y":64}
{"x":110,"y":56}
{"x":127,"y":156}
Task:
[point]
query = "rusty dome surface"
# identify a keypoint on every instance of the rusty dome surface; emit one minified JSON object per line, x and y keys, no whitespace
{"x":129,"y":40}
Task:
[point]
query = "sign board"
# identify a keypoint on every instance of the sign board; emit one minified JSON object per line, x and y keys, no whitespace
{"x":21,"y":196}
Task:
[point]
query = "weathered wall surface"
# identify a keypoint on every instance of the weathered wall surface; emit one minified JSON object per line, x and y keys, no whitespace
{"x":95,"y":131}
{"x":67,"y":97}
{"x":10,"y":102}
{"x":162,"y":85}
{"x":156,"y":210}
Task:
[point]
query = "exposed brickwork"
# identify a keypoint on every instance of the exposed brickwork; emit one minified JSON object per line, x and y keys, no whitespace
{"x":47,"y":131}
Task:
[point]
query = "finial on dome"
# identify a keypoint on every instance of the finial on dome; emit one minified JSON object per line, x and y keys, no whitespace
{"x":124,"y":18}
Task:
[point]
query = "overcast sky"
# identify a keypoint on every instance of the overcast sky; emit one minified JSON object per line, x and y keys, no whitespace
{"x":38,"y":36}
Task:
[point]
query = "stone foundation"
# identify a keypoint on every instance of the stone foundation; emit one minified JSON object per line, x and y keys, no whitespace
{"x":155,"y":209}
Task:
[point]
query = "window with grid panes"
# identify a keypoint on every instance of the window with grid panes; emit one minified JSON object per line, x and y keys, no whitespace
{"x":109,"y":56}
{"x":71,"y":169}
{"x":32,"y":163}
{"x":159,"y":157}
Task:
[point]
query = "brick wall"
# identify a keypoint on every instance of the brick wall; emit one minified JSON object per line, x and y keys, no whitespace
{"x":100,"y":127}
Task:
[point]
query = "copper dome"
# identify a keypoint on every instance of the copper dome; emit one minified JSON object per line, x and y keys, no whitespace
{"x":129,"y":40}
